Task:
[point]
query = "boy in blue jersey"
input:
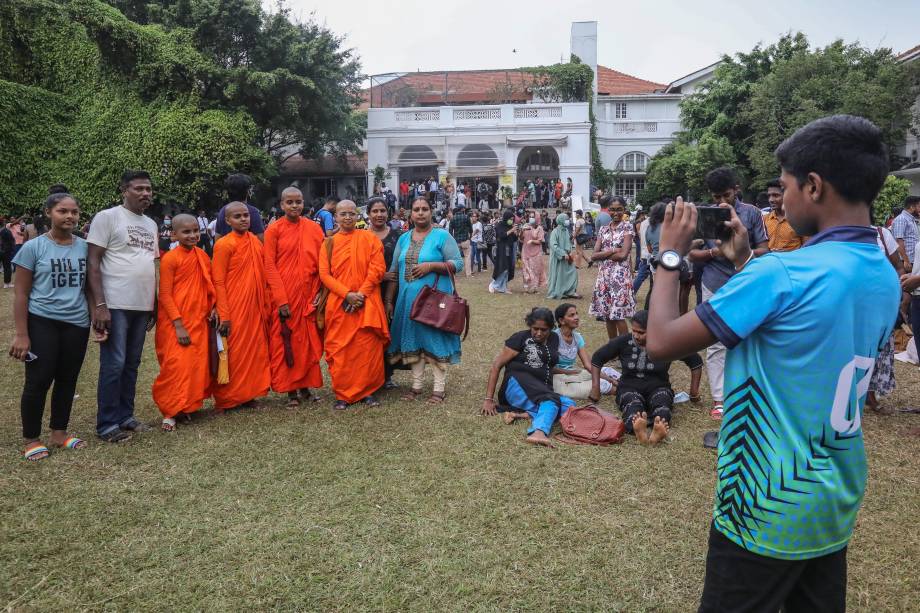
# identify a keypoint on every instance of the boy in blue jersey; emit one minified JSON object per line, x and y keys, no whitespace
{"x":791,"y":463}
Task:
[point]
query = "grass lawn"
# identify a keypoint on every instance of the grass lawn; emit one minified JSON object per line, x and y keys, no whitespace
{"x":402,"y":507}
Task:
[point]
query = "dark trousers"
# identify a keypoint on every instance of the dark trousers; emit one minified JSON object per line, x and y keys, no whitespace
{"x":60,"y":348}
{"x":119,"y":358}
{"x":487,"y":254}
{"x":739,"y":580}
{"x":643,"y":272}
{"x":915,"y":317}
{"x":652,"y":399}
{"x":6,"y":260}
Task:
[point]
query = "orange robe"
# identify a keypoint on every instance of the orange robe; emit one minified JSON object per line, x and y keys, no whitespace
{"x":355,"y":341}
{"x":242,"y":298}
{"x":291,"y":251}
{"x":186,"y":292}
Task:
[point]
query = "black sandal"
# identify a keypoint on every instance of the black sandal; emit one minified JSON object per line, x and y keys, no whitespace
{"x":371,"y":401}
{"x":116,"y":436}
{"x":340,"y":405}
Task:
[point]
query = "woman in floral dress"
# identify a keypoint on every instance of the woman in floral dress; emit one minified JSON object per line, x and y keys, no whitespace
{"x":613,"y":301}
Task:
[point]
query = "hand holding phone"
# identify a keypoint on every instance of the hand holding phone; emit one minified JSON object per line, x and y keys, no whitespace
{"x":711,"y":223}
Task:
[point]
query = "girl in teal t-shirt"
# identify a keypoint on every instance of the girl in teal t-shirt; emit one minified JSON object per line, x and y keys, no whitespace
{"x":52,"y":324}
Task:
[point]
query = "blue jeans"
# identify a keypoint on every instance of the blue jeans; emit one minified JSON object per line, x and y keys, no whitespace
{"x":474,"y":256}
{"x":642,"y":273}
{"x":119,"y":358}
{"x":501,"y":283}
{"x":542,"y":416}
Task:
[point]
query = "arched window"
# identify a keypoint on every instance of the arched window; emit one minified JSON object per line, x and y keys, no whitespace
{"x":477,"y":156}
{"x":417,"y":153}
{"x":634,"y":161}
{"x":538,"y":159}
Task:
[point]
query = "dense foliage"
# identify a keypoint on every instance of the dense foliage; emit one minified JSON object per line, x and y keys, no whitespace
{"x":892,"y":195}
{"x":86,"y":92}
{"x":757,"y":99}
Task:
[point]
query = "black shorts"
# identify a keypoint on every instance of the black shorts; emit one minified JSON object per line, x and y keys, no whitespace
{"x":739,"y":580}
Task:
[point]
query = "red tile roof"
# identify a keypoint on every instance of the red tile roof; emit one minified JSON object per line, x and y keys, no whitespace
{"x":612,"y":82}
{"x":485,"y":86}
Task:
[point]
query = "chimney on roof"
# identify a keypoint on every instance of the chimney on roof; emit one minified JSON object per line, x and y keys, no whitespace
{"x":584,"y":45}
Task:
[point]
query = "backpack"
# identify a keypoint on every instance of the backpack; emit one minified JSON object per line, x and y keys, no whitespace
{"x":589,"y":425}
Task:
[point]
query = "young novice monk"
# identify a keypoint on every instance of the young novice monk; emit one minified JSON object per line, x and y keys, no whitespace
{"x":242,"y":306}
{"x":186,"y":304}
{"x":292,"y":246}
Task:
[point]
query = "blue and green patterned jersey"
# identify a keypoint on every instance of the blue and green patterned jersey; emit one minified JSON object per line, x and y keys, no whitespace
{"x":803,"y":330}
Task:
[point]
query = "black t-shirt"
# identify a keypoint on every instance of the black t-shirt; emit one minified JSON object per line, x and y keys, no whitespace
{"x":533,"y":358}
{"x":635,"y":364}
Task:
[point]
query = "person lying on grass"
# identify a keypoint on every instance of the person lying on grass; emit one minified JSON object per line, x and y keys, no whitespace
{"x":573,"y":381}
{"x":529,"y":358}
{"x":644,"y":393}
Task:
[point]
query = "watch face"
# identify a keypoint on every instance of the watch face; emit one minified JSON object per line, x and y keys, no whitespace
{"x":670,"y":259}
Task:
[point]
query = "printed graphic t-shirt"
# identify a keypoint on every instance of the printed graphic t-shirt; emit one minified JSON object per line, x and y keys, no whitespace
{"x":58,"y":279}
{"x":128,"y":270}
{"x":803,"y":330}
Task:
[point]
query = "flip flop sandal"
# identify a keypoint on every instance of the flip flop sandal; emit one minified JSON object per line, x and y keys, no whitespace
{"x":293,"y":403}
{"x":36,"y":452}
{"x":412,"y":394}
{"x":340,"y":405}
{"x":436,"y":398}
{"x":717,"y":410}
{"x":711,"y":440}
{"x":72,"y":442}
{"x":169,"y":425}
{"x":371,"y":401}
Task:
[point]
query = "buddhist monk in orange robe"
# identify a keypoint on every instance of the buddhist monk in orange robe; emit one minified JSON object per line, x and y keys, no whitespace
{"x":186,"y":304}
{"x":356,"y":329}
{"x":242,"y":306}
{"x":291,"y":251}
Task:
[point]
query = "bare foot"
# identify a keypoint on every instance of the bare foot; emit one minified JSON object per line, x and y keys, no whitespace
{"x":640,"y":425}
{"x":511,"y":416}
{"x":539,"y":438}
{"x":659,"y":431}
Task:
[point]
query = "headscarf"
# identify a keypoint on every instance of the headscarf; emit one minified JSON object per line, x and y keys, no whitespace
{"x":502,"y":227}
{"x":561,"y":234}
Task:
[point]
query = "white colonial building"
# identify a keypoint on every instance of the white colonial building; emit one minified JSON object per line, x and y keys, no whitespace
{"x":461,"y":125}
{"x":491,"y":124}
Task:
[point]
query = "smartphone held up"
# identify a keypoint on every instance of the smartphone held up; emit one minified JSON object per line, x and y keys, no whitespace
{"x":711,"y":222}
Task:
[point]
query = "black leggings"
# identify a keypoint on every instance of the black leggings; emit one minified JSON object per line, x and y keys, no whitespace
{"x":60,"y":348}
{"x":6,"y":260}
{"x":654,"y":401}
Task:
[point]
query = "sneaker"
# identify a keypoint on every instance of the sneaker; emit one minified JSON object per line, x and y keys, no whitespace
{"x":134,"y":425}
{"x":491,"y":288}
{"x":716,"y":412}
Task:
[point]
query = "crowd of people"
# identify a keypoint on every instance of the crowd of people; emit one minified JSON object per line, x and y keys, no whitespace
{"x":258,"y":307}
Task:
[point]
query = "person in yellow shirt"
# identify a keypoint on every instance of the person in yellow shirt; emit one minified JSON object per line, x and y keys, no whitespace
{"x":781,"y":235}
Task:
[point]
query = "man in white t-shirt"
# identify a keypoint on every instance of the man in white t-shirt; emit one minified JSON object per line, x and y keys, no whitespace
{"x":122,"y":276}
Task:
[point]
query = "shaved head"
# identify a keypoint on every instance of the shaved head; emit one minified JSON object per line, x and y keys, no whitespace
{"x":291,"y":190}
{"x":234,"y":206}
{"x":346,"y":204}
{"x":183,"y":219}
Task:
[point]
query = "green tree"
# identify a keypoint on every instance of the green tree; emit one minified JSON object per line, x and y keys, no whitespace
{"x":297,"y":80}
{"x":679,"y":168}
{"x":892,"y":195}
{"x":757,"y":99}
{"x":85,"y":93}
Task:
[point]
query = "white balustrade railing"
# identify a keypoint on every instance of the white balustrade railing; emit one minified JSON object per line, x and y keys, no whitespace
{"x":538,"y":112}
{"x":476,"y":114}
{"x":434,"y":115}
{"x":630,"y":127}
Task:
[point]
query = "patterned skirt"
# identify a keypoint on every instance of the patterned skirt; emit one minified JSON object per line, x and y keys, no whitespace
{"x":882,"y":382}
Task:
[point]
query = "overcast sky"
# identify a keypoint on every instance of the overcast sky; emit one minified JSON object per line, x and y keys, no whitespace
{"x":655,"y":40}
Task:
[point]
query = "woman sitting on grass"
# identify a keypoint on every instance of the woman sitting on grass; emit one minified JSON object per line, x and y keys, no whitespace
{"x":529,"y":358}
{"x":645,"y":386}
{"x":572,"y":381}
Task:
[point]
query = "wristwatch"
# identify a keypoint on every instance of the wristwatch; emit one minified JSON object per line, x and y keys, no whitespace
{"x":669,"y":260}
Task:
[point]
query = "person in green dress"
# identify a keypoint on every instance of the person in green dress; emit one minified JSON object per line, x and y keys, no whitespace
{"x":563,"y":276}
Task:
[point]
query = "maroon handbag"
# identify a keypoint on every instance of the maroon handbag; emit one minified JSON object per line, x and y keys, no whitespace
{"x":446,"y":312}
{"x":589,"y":425}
